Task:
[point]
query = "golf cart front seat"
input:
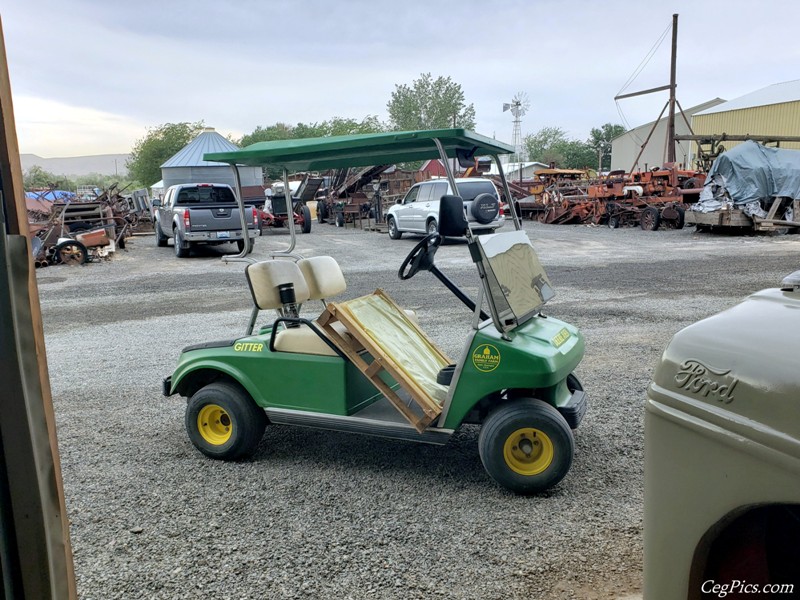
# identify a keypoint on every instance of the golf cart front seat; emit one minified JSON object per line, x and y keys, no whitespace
{"x":265,"y":277}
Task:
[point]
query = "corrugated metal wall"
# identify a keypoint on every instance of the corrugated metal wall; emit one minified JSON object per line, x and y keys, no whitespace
{"x":774,"y":119}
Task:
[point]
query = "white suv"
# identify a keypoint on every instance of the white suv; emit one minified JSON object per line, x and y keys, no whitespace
{"x":418,"y":211}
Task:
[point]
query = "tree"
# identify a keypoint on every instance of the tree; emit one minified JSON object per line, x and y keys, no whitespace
{"x":546,"y":144}
{"x":37,"y":178}
{"x":430,"y":104}
{"x":271,"y":133}
{"x":552,"y":145}
{"x":600,"y":140}
{"x":155,"y":148}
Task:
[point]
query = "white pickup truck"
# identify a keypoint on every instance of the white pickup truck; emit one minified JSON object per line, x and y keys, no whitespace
{"x":202,"y":213}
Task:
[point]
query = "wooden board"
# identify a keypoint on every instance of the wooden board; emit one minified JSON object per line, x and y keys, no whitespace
{"x":428,"y":408}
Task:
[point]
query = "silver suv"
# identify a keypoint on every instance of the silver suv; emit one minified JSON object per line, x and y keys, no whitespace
{"x":418,"y":211}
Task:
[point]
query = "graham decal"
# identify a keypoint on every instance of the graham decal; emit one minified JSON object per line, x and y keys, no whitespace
{"x":486,"y":358}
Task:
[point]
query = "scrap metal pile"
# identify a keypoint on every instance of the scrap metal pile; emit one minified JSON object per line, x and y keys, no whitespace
{"x":67,"y":230}
{"x":649,"y":199}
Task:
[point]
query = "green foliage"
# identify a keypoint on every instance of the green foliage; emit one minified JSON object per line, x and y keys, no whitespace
{"x":37,"y":177}
{"x":552,"y":145}
{"x":334,"y":126}
{"x":430,"y":104}
{"x":545,"y":145}
{"x":155,"y":148}
{"x":600,"y":139}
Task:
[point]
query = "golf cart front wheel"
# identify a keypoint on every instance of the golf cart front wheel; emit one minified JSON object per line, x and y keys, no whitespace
{"x":526,"y":446}
{"x":223,"y":422}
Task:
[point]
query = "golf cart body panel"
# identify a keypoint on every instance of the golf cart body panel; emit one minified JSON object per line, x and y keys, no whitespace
{"x":280,"y":379}
{"x":539,"y":356}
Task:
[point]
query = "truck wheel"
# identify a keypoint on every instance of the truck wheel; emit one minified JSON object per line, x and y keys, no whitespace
{"x":526,"y":446}
{"x":394,"y":232}
{"x":181,"y":247}
{"x":306,"y":228}
{"x":161,"y":239}
{"x":223,"y":422}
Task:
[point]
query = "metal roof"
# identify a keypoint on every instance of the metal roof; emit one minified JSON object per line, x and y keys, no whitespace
{"x":778,"y":93}
{"x":191,"y":155}
{"x":313,"y":154}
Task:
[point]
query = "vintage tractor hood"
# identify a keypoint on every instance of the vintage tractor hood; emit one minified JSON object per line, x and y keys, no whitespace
{"x":738,"y":370}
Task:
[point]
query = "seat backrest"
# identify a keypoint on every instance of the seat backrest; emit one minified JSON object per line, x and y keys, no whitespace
{"x":265,"y":277}
{"x":323,"y":276}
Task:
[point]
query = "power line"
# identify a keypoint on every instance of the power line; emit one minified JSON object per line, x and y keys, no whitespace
{"x":648,"y":57}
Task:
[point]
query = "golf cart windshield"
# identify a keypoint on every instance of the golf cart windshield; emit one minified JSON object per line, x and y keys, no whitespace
{"x":517,"y":282}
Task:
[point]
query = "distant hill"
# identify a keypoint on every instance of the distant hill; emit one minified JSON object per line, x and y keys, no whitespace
{"x":73,"y":166}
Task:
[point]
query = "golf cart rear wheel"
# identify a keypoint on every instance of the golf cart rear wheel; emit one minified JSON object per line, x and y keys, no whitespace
{"x":223,"y":422}
{"x":526,"y":446}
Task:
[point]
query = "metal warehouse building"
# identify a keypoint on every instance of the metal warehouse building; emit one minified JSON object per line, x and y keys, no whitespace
{"x":773,"y":110}
{"x":625,"y":147}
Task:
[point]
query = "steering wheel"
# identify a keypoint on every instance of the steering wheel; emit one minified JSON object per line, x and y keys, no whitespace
{"x":420,"y":257}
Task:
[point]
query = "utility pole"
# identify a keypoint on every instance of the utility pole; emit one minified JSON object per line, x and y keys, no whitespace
{"x":672,"y":77}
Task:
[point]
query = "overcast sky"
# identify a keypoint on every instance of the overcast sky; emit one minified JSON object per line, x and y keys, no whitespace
{"x":90,"y":76}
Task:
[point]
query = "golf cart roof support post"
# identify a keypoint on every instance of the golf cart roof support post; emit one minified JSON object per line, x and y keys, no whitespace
{"x":450,"y":176}
{"x":287,"y":194}
{"x":237,"y":191}
{"x":507,"y":192}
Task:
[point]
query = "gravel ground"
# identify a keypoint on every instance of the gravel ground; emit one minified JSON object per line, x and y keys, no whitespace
{"x":332,"y":515}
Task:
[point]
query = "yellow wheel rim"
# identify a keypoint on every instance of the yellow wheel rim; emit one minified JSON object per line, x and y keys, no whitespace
{"x":528,"y":451}
{"x":214,"y":424}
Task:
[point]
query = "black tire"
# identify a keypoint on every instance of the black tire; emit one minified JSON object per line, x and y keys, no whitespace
{"x":394,"y":233}
{"x":321,"y":211}
{"x":545,"y":457}
{"x":240,"y":246}
{"x":613,"y":222}
{"x":690,"y":184}
{"x":71,"y":253}
{"x":182,"y":249}
{"x":681,"y":221}
{"x":224,"y":422}
{"x":650,"y":219}
{"x":306,"y":227}
{"x":161,"y":239}
{"x":485,"y":208}
{"x":432,"y":227}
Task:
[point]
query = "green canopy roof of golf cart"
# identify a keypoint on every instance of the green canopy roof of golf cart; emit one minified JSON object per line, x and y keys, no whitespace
{"x":317,"y":154}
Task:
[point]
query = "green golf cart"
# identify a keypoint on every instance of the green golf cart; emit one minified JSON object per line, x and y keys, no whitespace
{"x":365,"y":366}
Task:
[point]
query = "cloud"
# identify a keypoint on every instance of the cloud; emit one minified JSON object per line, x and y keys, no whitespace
{"x":65,"y":130}
{"x":237,"y":65}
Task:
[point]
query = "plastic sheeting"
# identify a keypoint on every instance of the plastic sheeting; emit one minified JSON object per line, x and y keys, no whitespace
{"x":749,"y":175}
{"x":399,"y":339}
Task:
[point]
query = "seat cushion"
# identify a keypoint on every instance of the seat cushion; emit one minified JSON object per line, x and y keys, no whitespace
{"x":303,"y":340}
